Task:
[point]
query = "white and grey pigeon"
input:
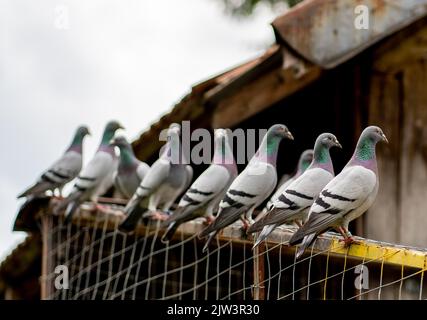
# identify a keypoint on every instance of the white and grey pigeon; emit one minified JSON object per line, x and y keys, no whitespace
{"x":204,"y":195}
{"x":96,"y":177}
{"x":294,"y":202}
{"x":345,"y":197}
{"x":304,"y":161}
{"x":252,"y":186}
{"x":167,"y":178}
{"x":130,"y":171}
{"x":63,"y":170}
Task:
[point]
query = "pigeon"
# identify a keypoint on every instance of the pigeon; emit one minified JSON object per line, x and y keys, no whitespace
{"x":252,"y":186}
{"x":347,"y":196}
{"x":167,"y":178}
{"x":303,"y":163}
{"x":96,"y":177}
{"x":294,"y":202}
{"x":204,"y":195}
{"x":130,"y":170}
{"x":63,"y":170}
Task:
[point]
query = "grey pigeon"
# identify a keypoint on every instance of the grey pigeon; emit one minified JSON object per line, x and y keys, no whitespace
{"x":252,"y":186}
{"x":130,"y":170}
{"x":167,"y":178}
{"x":345,"y":197}
{"x":303,"y":163}
{"x":63,"y":170}
{"x":294,"y":202}
{"x":204,"y":195}
{"x":96,"y":177}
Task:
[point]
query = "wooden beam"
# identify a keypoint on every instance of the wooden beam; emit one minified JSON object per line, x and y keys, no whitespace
{"x":264,"y":91}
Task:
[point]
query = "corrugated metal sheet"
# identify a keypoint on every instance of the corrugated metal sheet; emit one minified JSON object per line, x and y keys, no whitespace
{"x":324,"y":32}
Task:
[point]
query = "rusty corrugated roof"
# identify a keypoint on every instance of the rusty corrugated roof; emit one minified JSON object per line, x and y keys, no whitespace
{"x":324,"y":32}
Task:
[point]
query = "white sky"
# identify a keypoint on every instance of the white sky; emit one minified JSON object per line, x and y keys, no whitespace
{"x":128,"y":60}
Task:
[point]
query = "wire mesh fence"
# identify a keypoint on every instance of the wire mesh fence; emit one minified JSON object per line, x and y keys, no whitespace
{"x":90,"y":259}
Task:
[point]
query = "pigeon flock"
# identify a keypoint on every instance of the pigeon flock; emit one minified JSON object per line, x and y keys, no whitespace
{"x":313,"y":198}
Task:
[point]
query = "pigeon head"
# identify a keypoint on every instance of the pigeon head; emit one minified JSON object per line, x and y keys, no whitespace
{"x":175,"y":127}
{"x":83,"y":131}
{"x":109,"y":131}
{"x":120,"y":142}
{"x":113,"y":126}
{"x":280,"y":131}
{"x":76,"y":143}
{"x":305,"y":159}
{"x":223,"y":153}
{"x":322,"y":158}
{"x":267,"y":151}
{"x":328,"y":140}
{"x":374,"y":134}
{"x":365,"y":148}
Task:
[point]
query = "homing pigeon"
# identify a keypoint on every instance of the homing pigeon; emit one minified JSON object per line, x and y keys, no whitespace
{"x":204,"y":195}
{"x":294,"y":202}
{"x":130,"y":170}
{"x":63,"y":170}
{"x":167,"y":178}
{"x":252,"y":186}
{"x":96,"y":177}
{"x":345,"y":197}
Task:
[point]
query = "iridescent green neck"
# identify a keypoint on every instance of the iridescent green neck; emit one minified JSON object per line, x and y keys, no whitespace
{"x":321,"y":155}
{"x":126,"y":155}
{"x":365,"y":149}
{"x":77,"y":140}
{"x":304,"y":165}
{"x":107,"y":136}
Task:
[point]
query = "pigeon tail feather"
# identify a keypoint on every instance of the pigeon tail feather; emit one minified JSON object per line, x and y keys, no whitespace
{"x":208,"y":242}
{"x":170,"y":231}
{"x":308,"y":240}
{"x":264,"y":234}
{"x":135,"y":212}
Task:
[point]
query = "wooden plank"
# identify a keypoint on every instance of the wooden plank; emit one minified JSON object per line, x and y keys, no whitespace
{"x":382,"y":220}
{"x":413,"y":207}
{"x":263,"y":92}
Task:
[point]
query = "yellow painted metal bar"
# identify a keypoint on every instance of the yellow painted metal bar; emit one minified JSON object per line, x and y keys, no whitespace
{"x":375,"y":251}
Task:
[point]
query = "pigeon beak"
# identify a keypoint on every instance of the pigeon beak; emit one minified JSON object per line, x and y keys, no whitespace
{"x":112,"y":142}
{"x":337,"y":144}
{"x":289,"y":135}
{"x":384,"y":138}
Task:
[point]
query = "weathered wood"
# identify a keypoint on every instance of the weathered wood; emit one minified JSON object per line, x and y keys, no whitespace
{"x":382,"y":221}
{"x":269,"y":88}
{"x":413,"y":180}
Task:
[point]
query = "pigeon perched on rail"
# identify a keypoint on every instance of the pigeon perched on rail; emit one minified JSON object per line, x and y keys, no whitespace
{"x":63,"y":170}
{"x":204,"y":195}
{"x":345,"y":197}
{"x":96,"y":177}
{"x":294,"y":202}
{"x":130,"y":170}
{"x":304,"y":161}
{"x":167,"y":178}
{"x":252,"y":186}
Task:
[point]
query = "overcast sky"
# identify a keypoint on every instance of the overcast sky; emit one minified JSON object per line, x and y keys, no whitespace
{"x":65,"y":63}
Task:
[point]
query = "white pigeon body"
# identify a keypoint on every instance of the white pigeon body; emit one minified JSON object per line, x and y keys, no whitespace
{"x":63,"y":170}
{"x":130,"y":171}
{"x":351,"y":199}
{"x":252,"y":186}
{"x":163,"y":183}
{"x":347,"y":196}
{"x":304,"y":162}
{"x":96,"y":177}
{"x":206,"y":192}
{"x":294,"y":202}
